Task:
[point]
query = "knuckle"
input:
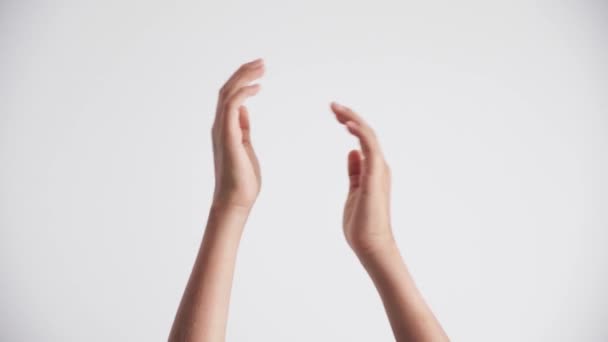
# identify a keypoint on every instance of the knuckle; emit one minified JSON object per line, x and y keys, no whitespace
{"x":243,"y":90}
{"x":241,"y":70}
{"x":222,"y":90}
{"x":224,"y":93}
{"x":227,"y":106}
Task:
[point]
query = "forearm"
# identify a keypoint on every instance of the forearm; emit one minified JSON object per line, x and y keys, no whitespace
{"x":410,"y":317}
{"x":203,"y":310}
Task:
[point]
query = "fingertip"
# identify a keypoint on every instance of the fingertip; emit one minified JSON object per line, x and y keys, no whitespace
{"x":354,"y":167}
{"x":254,"y":88}
{"x":257,"y":61}
{"x":336,"y":107}
{"x":256,"y":65}
{"x":260,"y":68}
{"x":340,"y":115}
{"x":258,"y":71}
{"x":354,"y":155}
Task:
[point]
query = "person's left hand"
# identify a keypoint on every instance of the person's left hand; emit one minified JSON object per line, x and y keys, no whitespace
{"x":237,"y":171}
{"x":366,"y":220}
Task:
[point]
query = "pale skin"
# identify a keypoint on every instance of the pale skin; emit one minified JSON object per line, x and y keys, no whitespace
{"x":203,"y":310}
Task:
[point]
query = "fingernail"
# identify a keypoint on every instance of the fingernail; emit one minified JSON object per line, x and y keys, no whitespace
{"x":257,"y":61}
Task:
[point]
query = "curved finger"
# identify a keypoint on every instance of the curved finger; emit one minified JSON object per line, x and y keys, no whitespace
{"x":344,"y":114}
{"x":231,"y":106}
{"x":369,"y":144}
{"x":246,"y":73}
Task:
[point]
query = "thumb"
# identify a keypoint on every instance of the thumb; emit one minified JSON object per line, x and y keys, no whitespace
{"x":354,"y":168}
{"x":244,"y":124}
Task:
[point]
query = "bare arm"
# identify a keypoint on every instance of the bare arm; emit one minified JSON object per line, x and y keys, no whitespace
{"x":203,"y":310}
{"x":368,"y":231}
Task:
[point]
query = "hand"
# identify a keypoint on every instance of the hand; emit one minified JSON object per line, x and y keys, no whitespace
{"x":367,"y":210}
{"x":203,"y":310}
{"x":237,"y":171}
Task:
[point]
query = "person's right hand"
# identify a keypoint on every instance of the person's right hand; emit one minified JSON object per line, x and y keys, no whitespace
{"x":366,"y":219}
{"x":237,"y":172}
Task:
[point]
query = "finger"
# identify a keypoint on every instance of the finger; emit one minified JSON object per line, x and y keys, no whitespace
{"x":243,"y":70}
{"x":244,"y":124}
{"x":344,"y":114}
{"x":371,"y":153}
{"x":246,"y":73}
{"x":232,"y":105}
{"x":354,"y":168}
{"x":369,"y":142}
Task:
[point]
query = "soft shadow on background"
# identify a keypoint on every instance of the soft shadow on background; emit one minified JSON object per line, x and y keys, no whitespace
{"x":493,"y":117}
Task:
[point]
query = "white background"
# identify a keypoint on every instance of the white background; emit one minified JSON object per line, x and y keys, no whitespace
{"x":493,"y":117}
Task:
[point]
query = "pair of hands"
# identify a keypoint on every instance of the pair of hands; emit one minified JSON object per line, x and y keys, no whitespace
{"x":203,"y":310}
{"x":366,"y":220}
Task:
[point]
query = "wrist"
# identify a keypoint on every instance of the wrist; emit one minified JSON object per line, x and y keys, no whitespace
{"x":226,"y":221}
{"x":228,"y":199}
{"x":381,"y":249}
{"x":223,"y":208}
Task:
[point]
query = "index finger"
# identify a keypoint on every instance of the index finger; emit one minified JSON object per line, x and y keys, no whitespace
{"x":358,"y":127}
{"x":245,"y":74}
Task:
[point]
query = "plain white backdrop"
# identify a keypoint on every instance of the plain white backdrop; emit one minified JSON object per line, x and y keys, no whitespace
{"x":493,"y":117}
